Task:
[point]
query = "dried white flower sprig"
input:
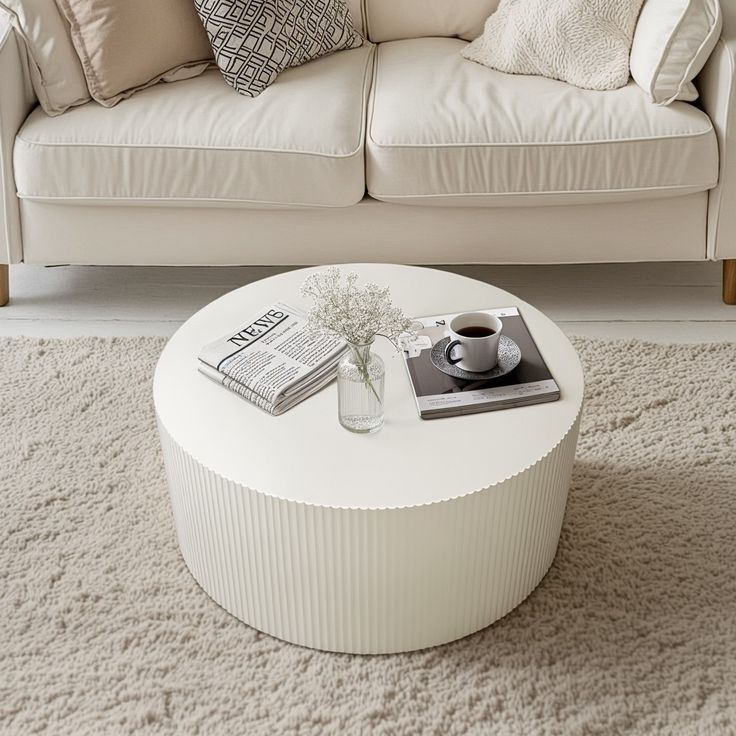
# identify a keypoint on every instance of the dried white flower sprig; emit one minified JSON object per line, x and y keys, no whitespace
{"x":357,"y":314}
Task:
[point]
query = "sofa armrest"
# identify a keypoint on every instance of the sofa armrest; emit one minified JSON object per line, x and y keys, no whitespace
{"x":717,"y":87}
{"x":16,"y":101}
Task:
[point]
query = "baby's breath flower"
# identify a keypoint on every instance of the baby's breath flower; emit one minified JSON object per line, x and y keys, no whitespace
{"x":357,"y":314}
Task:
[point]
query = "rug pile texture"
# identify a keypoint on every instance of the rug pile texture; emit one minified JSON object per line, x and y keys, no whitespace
{"x":104,"y":631}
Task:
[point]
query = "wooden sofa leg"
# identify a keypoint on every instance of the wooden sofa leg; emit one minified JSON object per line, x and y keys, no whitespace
{"x":4,"y":284}
{"x":729,"y":281}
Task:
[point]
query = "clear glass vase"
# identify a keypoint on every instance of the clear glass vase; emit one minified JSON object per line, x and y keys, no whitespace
{"x":360,"y":379}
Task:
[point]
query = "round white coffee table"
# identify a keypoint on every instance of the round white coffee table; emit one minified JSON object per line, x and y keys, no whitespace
{"x":415,"y":536}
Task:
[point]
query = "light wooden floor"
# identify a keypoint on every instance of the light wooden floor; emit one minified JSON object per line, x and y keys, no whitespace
{"x":675,"y":302}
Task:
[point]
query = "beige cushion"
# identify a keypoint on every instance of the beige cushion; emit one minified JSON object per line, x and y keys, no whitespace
{"x":125,"y":46}
{"x":672,"y":42}
{"x":445,"y":131}
{"x":198,"y":140}
{"x":56,"y":73}
{"x":390,"y":20}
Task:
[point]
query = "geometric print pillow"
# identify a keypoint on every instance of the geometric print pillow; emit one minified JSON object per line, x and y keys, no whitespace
{"x":255,"y":40}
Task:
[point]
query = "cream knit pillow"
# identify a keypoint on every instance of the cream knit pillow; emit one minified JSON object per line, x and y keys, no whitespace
{"x":583,"y":42}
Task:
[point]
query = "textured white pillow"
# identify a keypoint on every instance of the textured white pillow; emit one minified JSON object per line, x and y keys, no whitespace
{"x":583,"y":42}
{"x":672,"y":42}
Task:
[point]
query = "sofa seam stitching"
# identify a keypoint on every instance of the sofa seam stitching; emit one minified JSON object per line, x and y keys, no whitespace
{"x":112,"y":199}
{"x":164,"y":147}
{"x":550,"y":144}
{"x":667,"y":187}
{"x":695,"y":187}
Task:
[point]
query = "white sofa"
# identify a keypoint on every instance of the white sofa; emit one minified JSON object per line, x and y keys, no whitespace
{"x":397,"y":151}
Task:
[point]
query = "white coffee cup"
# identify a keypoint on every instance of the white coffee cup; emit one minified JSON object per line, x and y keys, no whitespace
{"x":474,"y":338}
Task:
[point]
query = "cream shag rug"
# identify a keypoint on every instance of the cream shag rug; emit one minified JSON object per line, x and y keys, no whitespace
{"x":103,"y":630}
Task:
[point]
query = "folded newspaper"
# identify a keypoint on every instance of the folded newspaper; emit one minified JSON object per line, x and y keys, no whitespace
{"x":274,"y":360}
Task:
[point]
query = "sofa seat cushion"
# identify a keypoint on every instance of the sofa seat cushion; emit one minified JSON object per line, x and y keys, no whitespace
{"x":299,"y":143}
{"x":443,"y":130}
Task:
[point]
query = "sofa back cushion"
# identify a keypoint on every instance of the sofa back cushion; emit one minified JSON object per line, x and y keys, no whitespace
{"x":391,"y":20}
{"x":55,"y":70}
{"x":356,"y":14}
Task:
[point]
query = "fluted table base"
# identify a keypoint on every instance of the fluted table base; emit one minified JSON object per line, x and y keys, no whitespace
{"x":369,"y":580}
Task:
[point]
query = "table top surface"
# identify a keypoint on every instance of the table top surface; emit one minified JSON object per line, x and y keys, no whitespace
{"x":304,"y":455}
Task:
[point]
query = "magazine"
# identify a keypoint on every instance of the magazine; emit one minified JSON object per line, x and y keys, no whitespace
{"x":438,"y":394}
{"x":274,"y":360}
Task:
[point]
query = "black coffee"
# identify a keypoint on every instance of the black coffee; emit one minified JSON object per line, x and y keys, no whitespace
{"x":476,"y":331}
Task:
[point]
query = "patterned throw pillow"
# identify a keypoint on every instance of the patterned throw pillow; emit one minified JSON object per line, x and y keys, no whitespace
{"x":583,"y":42}
{"x":255,"y":40}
